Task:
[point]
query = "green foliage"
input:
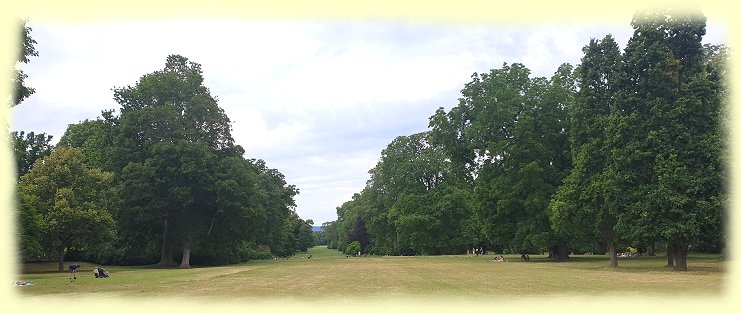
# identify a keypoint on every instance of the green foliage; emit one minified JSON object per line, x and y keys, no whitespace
{"x":28,"y":148}
{"x":184,"y":185}
{"x":353,"y":248}
{"x":69,"y":200}
{"x":257,"y":252}
{"x":669,"y":167}
{"x":304,"y":234}
{"x":30,"y":225}
{"x":581,"y":196}
{"x":409,"y":205}
{"x":93,"y":137}
{"x":517,"y":167}
{"x":646,"y":140}
{"x":27,"y":49}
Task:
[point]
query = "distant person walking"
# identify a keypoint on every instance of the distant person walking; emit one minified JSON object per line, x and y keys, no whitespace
{"x":73,"y":270}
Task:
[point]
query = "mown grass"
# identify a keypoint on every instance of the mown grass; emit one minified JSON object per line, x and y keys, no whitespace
{"x":330,"y":276}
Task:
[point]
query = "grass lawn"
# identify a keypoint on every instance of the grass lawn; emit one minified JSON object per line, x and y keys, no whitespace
{"x":330,"y":276}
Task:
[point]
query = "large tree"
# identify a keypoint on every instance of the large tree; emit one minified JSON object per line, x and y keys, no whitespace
{"x":172,"y":126}
{"x":67,"y":196}
{"x":667,"y":164}
{"x":508,"y":136}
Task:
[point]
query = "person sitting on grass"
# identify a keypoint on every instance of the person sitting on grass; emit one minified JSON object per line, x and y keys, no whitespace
{"x":96,"y":272}
{"x":73,"y":270}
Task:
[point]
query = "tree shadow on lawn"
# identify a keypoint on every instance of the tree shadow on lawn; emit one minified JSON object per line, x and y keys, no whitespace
{"x":702,"y":262}
{"x":53,"y":267}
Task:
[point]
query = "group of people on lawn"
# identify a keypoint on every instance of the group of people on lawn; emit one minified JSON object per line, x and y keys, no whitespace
{"x":98,"y":272}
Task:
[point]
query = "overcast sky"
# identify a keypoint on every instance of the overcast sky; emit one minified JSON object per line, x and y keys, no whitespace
{"x":316,"y":100}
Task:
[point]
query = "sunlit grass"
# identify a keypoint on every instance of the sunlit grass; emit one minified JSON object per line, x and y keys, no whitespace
{"x":329,"y":275}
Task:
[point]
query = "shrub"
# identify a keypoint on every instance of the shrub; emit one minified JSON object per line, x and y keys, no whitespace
{"x":353,"y":248}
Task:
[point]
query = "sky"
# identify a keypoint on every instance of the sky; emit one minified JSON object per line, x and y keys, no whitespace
{"x":317,"y":100}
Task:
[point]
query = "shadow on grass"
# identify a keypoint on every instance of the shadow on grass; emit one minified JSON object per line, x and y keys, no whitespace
{"x":697,"y":263}
{"x":53,"y":267}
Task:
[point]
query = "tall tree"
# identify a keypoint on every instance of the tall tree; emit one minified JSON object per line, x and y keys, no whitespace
{"x":170,"y":121}
{"x":669,"y":131}
{"x":578,"y":209}
{"x":66,"y":195}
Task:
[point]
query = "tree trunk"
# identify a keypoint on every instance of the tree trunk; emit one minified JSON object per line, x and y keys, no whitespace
{"x":613,"y":253}
{"x":669,"y":256}
{"x":396,"y":247}
{"x":680,"y":257}
{"x":166,"y":257}
{"x":563,"y":251}
{"x":651,"y":249}
{"x":185,"y":263}
{"x":213,"y":220}
{"x":61,"y":259}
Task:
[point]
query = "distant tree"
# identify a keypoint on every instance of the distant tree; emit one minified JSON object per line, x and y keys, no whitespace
{"x":328,"y":235}
{"x":66,"y":194}
{"x":21,"y":91}
{"x":410,"y":206}
{"x":304,"y":234}
{"x":359,"y":233}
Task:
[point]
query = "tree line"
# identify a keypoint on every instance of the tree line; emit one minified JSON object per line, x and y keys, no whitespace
{"x":160,"y":181}
{"x":627,"y":149}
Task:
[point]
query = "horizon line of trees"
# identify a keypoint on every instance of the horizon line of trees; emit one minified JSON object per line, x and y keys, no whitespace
{"x":160,"y":182}
{"x":628,"y":149}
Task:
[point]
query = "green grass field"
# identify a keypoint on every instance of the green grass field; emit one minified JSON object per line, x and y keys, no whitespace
{"x":329,"y":275}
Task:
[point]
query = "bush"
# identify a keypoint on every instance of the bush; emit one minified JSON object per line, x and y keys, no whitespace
{"x":259,"y":252}
{"x":353,"y":248}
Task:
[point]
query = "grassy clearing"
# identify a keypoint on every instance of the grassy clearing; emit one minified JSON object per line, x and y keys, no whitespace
{"x":331,"y":276}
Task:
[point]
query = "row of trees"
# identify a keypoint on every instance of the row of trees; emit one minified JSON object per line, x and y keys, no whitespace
{"x":625,"y":149}
{"x":162,"y":181}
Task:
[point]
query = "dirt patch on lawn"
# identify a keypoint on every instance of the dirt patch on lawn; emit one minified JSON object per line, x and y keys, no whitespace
{"x":221,"y":271}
